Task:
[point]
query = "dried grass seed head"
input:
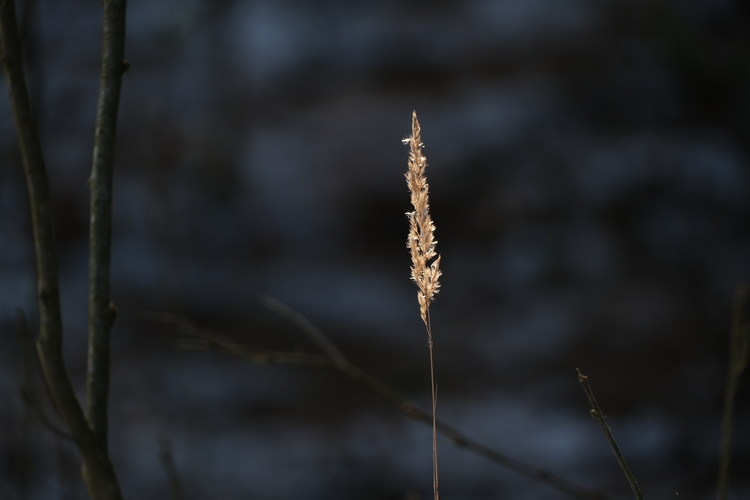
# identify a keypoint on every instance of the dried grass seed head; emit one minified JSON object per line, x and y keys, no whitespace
{"x":421,"y":241}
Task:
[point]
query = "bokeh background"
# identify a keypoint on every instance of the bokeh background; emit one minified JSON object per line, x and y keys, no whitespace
{"x":590,"y":180}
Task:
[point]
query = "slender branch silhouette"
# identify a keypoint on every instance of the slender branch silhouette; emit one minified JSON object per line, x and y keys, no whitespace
{"x":202,"y":338}
{"x":596,"y":413}
{"x":170,"y":469}
{"x":101,"y":310}
{"x":98,"y":472}
{"x":32,"y":373}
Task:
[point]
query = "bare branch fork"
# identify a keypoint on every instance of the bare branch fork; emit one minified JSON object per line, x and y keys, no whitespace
{"x":88,"y":431}
{"x":201,"y":338}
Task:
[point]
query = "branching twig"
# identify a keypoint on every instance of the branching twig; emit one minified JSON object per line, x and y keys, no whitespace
{"x":338,"y":359}
{"x":204,"y":339}
{"x":98,"y":472}
{"x":31,"y":357}
{"x":101,"y":311}
{"x":596,"y":412}
{"x":311,"y":330}
{"x":35,"y":406}
{"x":31,"y":373}
{"x":739,"y":348}
{"x":213,"y":341}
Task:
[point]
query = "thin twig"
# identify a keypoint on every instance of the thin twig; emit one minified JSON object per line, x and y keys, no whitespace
{"x":32,"y":372}
{"x":212,"y":341}
{"x":596,"y":412}
{"x":165,"y":457}
{"x":259,"y":356}
{"x":739,"y":348}
{"x":98,"y":472}
{"x":203,"y":339}
{"x":31,"y":357}
{"x":101,"y":310}
{"x":35,"y":406}
{"x":305,"y":325}
{"x":339,"y":360}
{"x":25,"y":449}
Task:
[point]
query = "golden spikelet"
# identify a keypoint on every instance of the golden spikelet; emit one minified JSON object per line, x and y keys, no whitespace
{"x":421,"y":241}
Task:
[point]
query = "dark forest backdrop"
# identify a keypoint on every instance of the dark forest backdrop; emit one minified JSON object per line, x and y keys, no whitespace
{"x":590,"y":184}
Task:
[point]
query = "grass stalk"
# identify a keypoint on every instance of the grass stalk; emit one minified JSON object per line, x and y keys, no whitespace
{"x":433,"y":388}
{"x":425,"y":268}
{"x":596,"y":412}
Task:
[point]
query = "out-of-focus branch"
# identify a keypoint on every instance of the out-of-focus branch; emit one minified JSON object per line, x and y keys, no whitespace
{"x":100,"y":477}
{"x":334,"y":358}
{"x":596,"y":412}
{"x":739,"y":349}
{"x":32,"y":371}
{"x":197,"y":338}
{"x":101,"y":311}
{"x":412,"y":410}
{"x":35,"y":406}
{"x":31,"y":357}
{"x":165,"y":456}
{"x":341,"y":362}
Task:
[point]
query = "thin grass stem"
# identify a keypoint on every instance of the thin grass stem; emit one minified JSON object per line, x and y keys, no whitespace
{"x":433,"y":387}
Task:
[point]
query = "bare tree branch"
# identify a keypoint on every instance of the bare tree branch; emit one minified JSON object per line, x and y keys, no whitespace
{"x":98,"y":472}
{"x":203,"y":339}
{"x":101,"y":311}
{"x":334,"y":358}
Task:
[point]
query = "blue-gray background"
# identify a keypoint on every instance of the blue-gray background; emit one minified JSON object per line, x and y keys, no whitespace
{"x":590,"y":186}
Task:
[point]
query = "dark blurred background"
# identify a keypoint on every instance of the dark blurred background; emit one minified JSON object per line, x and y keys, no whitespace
{"x":591,"y":191}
